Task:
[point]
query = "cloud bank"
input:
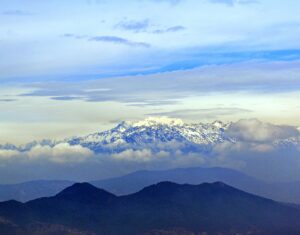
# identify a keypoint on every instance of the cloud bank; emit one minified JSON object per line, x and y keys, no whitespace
{"x":60,"y":153}
{"x":253,"y":130}
{"x":275,"y":148}
{"x":159,"y":89}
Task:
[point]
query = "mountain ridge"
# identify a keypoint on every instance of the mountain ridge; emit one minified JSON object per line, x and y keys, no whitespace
{"x":214,"y":208}
{"x":130,"y":183}
{"x":155,"y":133}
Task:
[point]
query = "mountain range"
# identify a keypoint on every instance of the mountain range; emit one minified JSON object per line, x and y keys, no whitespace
{"x":163,"y":208}
{"x":285,"y":191}
{"x":155,"y":133}
{"x":131,"y":183}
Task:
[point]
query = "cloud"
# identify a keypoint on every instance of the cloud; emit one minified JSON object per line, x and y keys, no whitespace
{"x":60,"y":153}
{"x":134,"y":155}
{"x":172,"y":29}
{"x":159,"y":89}
{"x":16,"y":13}
{"x":253,"y":130}
{"x":7,"y":154}
{"x":263,"y":148}
{"x":261,"y":160}
{"x":233,"y":2}
{"x":146,"y":103}
{"x":108,"y":39}
{"x":144,"y":25}
{"x":71,"y":35}
{"x":95,"y":2}
{"x":8,"y":100}
{"x":171,"y":2}
{"x":119,"y":40}
{"x":66,"y":98}
{"x":133,"y":25}
{"x":255,"y":147}
{"x":212,"y":113}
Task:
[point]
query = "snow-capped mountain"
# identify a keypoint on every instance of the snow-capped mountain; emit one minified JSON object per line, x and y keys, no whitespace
{"x":153,"y":133}
{"x":156,"y":134}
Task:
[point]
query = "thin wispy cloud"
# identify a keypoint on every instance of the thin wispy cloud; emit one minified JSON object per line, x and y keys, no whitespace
{"x":233,"y":2}
{"x":16,"y":13}
{"x":211,"y":113}
{"x":66,"y":98}
{"x":156,"y":24}
{"x":172,"y":29}
{"x":8,"y":100}
{"x":159,"y":89}
{"x":133,"y":25}
{"x":108,"y":39}
{"x":71,"y":35}
{"x":145,"y":26}
{"x":119,"y":40}
{"x":93,"y":2}
{"x":157,"y":103}
{"x":172,"y":2}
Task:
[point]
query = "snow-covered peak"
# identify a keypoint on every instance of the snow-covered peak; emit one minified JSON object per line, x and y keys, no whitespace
{"x":218,"y":124}
{"x":123,"y":126}
{"x":154,"y":121}
{"x":157,"y":134}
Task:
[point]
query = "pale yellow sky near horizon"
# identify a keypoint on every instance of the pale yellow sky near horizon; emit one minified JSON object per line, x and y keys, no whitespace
{"x":37,"y":118}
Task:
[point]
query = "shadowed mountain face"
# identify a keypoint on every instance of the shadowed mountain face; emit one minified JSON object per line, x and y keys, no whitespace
{"x":136,"y":181}
{"x":131,"y":183}
{"x":163,"y":208}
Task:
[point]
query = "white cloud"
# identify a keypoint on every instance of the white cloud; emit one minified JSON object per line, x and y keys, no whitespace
{"x":8,"y":154}
{"x":253,"y":130}
{"x":60,"y":153}
{"x":255,"y":146}
{"x":134,"y":155}
{"x":263,"y":148}
{"x":144,"y":155}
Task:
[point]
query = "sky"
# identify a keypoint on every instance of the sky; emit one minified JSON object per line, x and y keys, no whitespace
{"x":75,"y":67}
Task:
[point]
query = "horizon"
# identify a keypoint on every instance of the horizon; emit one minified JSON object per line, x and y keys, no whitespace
{"x":113,"y":111}
{"x":62,"y":76}
{"x":159,"y":120}
{"x":158,"y":143}
{"x":75,"y":68}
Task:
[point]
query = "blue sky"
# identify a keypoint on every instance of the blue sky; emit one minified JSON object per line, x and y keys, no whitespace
{"x":106,"y":38}
{"x":144,"y":57}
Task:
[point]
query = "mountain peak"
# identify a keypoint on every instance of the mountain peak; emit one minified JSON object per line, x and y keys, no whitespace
{"x":152,"y":121}
{"x":216,"y":208}
{"x":124,"y":125}
{"x":168,"y":187}
{"x":84,"y":192}
{"x":218,"y":124}
{"x":78,"y":187}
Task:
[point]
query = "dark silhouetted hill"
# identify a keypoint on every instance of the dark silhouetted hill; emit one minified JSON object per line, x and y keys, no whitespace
{"x":163,"y":208}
